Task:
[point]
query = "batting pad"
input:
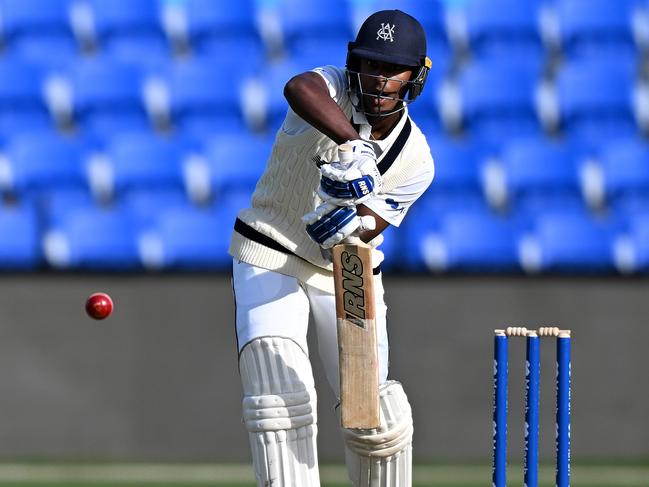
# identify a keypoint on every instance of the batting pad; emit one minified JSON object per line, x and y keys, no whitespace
{"x":383,"y":456}
{"x":279,"y":411}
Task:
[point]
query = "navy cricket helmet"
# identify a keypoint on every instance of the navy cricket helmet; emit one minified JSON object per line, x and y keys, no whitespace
{"x":389,"y":36}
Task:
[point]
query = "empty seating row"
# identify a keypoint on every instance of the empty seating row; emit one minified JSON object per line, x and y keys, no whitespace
{"x":531,"y":170}
{"x":506,"y":174}
{"x":154,"y":27}
{"x":555,"y":240}
{"x":586,"y":98}
{"x":35,"y":162}
{"x":149,"y":230}
{"x":115,"y":75}
{"x":511,"y":175}
{"x":145,"y":232}
{"x":493,"y":99}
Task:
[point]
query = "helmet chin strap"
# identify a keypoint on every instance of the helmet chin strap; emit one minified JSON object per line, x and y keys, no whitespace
{"x":356,"y":95}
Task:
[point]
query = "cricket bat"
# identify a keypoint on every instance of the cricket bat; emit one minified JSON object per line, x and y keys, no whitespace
{"x":355,"y":313}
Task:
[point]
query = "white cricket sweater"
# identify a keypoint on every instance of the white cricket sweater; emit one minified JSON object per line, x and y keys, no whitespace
{"x":287,"y":190}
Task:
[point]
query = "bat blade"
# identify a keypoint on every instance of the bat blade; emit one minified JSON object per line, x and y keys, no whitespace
{"x":357,"y":343}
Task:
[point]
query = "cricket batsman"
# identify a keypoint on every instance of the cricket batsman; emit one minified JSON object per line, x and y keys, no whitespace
{"x":305,"y":203}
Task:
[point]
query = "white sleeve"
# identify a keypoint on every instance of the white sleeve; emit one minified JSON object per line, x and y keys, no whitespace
{"x":393,"y":206}
{"x":336,"y":81}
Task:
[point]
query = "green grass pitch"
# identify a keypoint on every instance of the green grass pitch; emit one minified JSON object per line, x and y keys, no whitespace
{"x":42,"y":474}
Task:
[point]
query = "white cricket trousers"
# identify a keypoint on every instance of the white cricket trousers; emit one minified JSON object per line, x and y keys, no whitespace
{"x":270,"y":304}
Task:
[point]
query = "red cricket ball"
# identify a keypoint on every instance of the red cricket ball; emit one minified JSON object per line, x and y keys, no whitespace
{"x":99,"y":306}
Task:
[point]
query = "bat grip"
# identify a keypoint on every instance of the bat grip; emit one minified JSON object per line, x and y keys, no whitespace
{"x":352,"y":240}
{"x":345,"y":153}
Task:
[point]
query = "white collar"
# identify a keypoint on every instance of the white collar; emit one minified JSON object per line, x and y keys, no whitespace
{"x":365,"y":129}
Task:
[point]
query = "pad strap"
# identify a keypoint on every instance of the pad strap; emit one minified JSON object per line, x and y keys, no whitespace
{"x":276,"y":412}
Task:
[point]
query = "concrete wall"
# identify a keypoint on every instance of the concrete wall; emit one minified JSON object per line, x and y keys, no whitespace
{"x":158,"y":380}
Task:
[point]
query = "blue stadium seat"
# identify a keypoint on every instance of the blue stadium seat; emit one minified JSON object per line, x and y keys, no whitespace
{"x":198,"y":106}
{"x":630,"y":204}
{"x":237,"y":162}
{"x":137,"y":161}
{"x":22,"y":106}
{"x":308,"y":23}
{"x":55,"y":204}
{"x":436,"y":202}
{"x":145,"y":204}
{"x":632,"y":246}
{"x":426,"y":214}
{"x":456,"y":186}
{"x":190,"y":239}
{"x":468,"y":241}
{"x":329,"y":52}
{"x":230,"y":204}
{"x":239,"y":57}
{"x":92,"y":238}
{"x":272,"y":80}
{"x":497,"y":99}
{"x":530,"y":207}
{"x":20,"y":239}
{"x":107,"y":97}
{"x":230,"y":163}
{"x":147,"y":56}
{"x":52,"y":56}
{"x":595,"y":28}
{"x":457,"y":164}
{"x":128,"y":25}
{"x":595,"y":99}
{"x":37,"y":161}
{"x":532,"y":166}
{"x":427,"y":120}
{"x":507,"y":28}
{"x":29,"y":27}
{"x":218,"y":28}
{"x":567,"y":242}
{"x":624,"y":167}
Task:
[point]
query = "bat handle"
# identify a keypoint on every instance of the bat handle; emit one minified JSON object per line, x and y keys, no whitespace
{"x":346,"y":156}
{"x":345,"y":153}
{"x":352,"y":240}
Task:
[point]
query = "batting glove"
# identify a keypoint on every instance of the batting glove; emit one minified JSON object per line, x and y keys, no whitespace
{"x":352,"y":183}
{"x":329,"y":225}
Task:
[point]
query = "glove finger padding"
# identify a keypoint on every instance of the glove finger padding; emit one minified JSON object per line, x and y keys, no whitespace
{"x":333,"y":226}
{"x":350,"y":230}
{"x":367,"y":222}
{"x":337,"y":172}
{"x":329,"y":225}
{"x":318,"y":213}
{"x":352,"y":172}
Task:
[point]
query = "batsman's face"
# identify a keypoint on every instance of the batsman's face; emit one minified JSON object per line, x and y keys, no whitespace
{"x":383,"y":85}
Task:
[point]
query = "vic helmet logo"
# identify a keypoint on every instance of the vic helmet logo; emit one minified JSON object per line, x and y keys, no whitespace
{"x":386,"y":32}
